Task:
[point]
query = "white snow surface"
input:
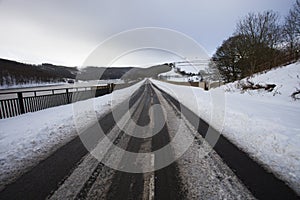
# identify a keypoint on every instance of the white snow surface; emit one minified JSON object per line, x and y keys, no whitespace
{"x":27,"y":139}
{"x":172,"y":75}
{"x":264,"y":124}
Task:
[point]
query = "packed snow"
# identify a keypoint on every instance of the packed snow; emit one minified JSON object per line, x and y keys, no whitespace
{"x":27,"y":139}
{"x":265,"y":124}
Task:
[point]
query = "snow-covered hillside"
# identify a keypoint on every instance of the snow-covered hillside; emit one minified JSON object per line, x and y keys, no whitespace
{"x":174,"y":75}
{"x":262,"y":122}
{"x":186,"y":71}
{"x":192,"y":66}
{"x":286,"y":80}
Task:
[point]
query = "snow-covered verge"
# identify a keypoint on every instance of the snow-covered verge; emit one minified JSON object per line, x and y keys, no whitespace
{"x":286,"y":80}
{"x":27,"y":139}
{"x":265,"y":124}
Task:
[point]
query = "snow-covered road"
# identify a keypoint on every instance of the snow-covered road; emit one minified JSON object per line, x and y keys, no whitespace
{"x":180,"y":165}
{"x":263,"y":124}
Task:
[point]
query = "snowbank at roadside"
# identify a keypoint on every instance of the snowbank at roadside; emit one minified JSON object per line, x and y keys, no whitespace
{"x":265,"y":124}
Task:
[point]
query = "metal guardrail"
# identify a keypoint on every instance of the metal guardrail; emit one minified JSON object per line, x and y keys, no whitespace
{"x":39,"y":100}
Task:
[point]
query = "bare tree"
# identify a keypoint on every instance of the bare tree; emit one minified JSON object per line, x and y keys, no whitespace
{"x":261,"y":31}
{"x":295,"y":15}
{"x":260,"y":28}
{"x":291,"y":29}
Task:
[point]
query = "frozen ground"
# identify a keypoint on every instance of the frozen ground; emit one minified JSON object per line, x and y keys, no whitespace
{"x":27,"y":139}
{"x":264,"y":124}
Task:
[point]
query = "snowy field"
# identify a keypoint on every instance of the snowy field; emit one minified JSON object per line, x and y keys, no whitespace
{"x":264,"y":124}
{"x":192,"y":66}
{"x":27,"y":139}
{"x":173,"y":75}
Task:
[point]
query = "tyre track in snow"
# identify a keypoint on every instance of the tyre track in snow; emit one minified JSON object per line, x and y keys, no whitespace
{"x":161,"y":184}
{"x":72,"y":173}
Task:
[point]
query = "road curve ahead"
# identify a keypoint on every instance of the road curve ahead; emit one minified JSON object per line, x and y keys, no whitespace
{"x":151,"y":151}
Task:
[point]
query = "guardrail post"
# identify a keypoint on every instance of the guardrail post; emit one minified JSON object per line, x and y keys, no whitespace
{"x":111,"y":87}
{"x":68,"y":97}
{"x":21,"y":103}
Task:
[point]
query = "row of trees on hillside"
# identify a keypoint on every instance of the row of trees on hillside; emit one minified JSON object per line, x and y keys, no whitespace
{"x":15,"y":73}
{"x":260,"y":42}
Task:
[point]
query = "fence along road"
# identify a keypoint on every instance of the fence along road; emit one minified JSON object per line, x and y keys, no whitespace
{"x":15,"y":103}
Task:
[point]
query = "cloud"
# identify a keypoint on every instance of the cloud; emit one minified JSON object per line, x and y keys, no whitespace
{"x":68,"y":30}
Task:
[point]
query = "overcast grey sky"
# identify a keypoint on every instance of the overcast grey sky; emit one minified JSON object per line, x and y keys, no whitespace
{"x":66,"y":31}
